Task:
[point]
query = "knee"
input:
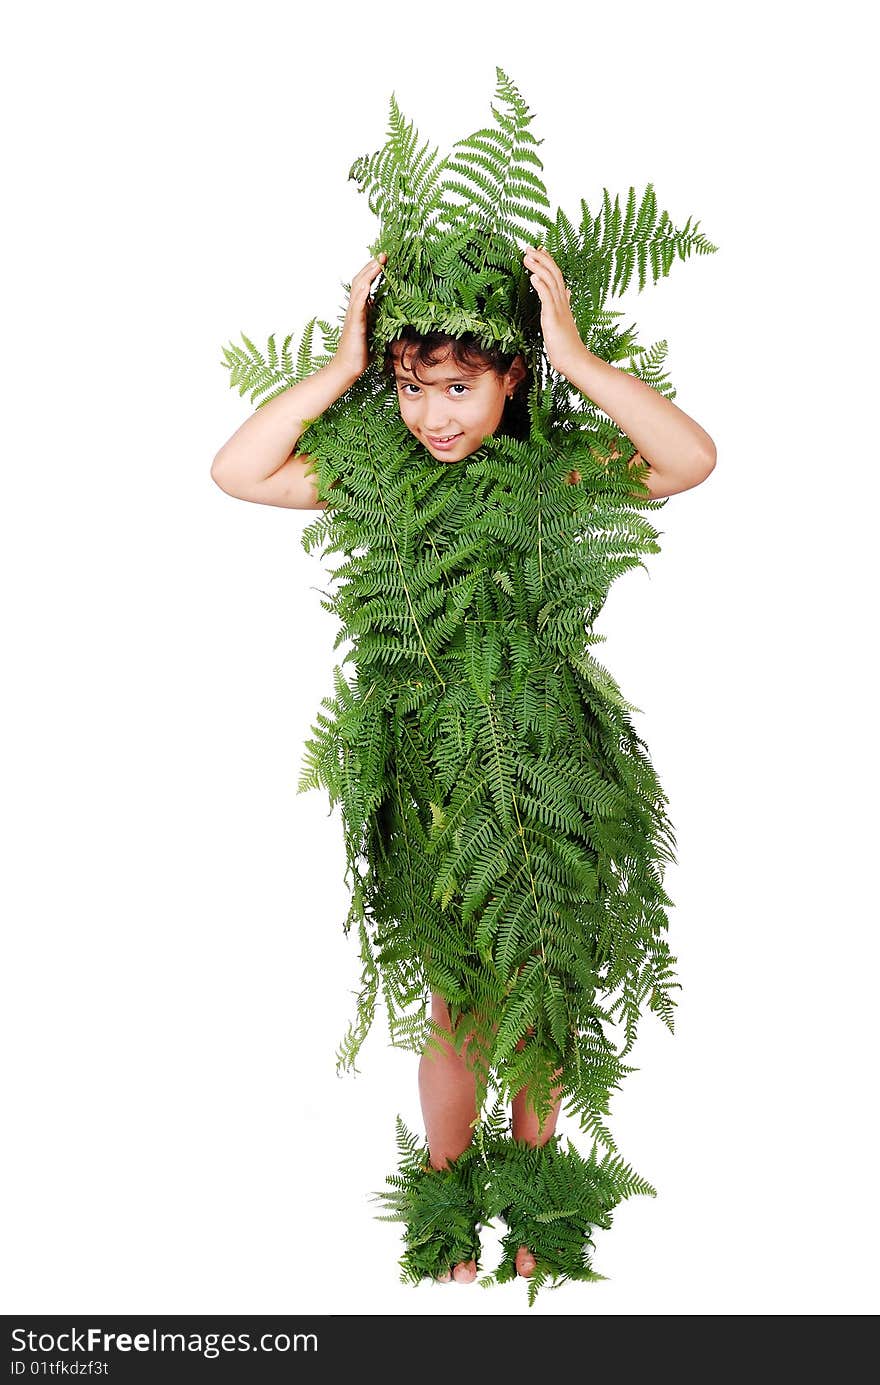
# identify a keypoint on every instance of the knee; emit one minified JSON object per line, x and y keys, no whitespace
{"x":440,"y":1011}
{"x":441,"y":1017}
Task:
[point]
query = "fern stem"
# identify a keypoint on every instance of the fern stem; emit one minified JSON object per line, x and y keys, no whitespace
{"x":523,"y":840}
{"x":390,"y":528}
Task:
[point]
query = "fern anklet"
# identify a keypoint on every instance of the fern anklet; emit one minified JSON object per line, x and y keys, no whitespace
{"x":441,"y":1208}
{"x":551,"y":1200}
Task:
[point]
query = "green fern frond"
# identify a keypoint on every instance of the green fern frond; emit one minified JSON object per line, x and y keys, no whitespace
{"x":505,"y":833}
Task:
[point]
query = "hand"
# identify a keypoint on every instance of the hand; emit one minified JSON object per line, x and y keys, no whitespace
{"x":562,"y":340}
{"x":352,"y":352}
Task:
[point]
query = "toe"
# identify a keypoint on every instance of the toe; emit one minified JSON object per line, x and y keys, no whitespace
{"x":444,"y":1278}
{"x":525,"y":1262}
{"x":465,"y":1271}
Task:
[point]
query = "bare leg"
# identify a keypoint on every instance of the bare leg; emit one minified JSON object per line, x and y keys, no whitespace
{"x":447,"y":1093}
{"x":525,"y":1127}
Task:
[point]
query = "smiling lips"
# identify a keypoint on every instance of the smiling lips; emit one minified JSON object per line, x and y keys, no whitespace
{"x":443,"y":442}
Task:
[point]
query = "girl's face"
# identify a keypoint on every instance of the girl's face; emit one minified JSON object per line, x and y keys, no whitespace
{"x":449,"y":402}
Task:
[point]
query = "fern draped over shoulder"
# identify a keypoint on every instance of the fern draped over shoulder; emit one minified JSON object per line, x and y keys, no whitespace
{"x":505,"y":831}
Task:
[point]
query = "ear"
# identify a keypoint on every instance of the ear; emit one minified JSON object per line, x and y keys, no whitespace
{"x":516,"y":372}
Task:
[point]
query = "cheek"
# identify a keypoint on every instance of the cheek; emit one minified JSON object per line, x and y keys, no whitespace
{"x":408,"y":412}
{"x":489,"y":408}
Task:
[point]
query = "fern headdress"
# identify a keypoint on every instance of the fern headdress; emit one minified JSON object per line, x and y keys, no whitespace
{"x":448,"y":227}
{"x":506,"y":834}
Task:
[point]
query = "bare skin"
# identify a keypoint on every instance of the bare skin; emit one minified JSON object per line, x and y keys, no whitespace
{"x":446,"y":399}
{"x":447,"y":1093}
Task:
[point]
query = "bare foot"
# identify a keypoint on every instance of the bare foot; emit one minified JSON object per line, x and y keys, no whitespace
{"x":465,"y":1272}
{"x":525,"y":1262}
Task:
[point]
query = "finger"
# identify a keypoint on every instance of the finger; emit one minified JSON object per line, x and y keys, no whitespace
{"x":546,"y":261}
{"x":539,"y":280}
{"x":541,"y":268}
{"x":552,"y":269}
{"x":369,"y":272}
{"x":555,"y":285}
{"x":363,"y":294}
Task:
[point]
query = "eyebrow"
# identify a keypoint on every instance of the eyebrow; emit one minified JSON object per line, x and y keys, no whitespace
{"x":446,"y":380}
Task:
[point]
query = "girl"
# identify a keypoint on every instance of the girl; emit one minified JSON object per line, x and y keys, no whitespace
{"x":452,"y":393}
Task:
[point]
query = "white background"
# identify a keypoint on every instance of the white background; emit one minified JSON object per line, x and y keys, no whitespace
{"x":175,"y":975}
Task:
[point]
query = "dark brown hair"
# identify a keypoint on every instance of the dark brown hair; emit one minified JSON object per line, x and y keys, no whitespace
{"x":430,"y":348}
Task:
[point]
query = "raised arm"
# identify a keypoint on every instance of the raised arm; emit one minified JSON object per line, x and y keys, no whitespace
{"x":260,"y":461}
{"x":679,"y":452}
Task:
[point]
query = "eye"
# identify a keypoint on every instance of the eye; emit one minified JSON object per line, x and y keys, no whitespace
{"x":456,"y":385}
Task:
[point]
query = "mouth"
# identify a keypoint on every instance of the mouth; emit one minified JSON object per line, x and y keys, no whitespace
{"x":444,"y":442}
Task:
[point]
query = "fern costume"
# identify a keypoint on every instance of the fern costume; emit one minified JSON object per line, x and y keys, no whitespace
{"x":505,"y":832}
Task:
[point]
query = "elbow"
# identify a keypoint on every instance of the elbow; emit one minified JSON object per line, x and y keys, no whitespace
{"x":705,"y":463}
{"x":219,"y":474}
{"x":693,"y":473}
{"x":216,"y":464}
{"x":700,"y":470}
